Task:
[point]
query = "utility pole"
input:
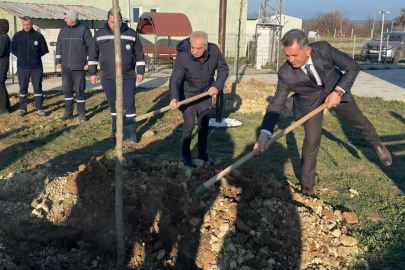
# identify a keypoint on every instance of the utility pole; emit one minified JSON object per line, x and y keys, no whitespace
{"x":383,"y":12}
{"x":372,"y":30}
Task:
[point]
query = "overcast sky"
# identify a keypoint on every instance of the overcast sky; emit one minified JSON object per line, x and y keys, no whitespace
{"x":355,"y":9}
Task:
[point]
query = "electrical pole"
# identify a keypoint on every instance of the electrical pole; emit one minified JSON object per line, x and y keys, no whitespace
{"x":372,"y":30}
{"x":383,"y":12}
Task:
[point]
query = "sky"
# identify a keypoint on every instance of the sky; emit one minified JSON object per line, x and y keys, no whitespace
{"x":355,"y":9}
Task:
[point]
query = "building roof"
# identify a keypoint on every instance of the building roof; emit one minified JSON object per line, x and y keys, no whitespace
{"x":164,"y":24}
{"x":52,"y":11}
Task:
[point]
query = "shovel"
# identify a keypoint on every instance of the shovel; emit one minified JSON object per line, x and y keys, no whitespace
{"x":201,"y":189}
{"x":164,"y":109}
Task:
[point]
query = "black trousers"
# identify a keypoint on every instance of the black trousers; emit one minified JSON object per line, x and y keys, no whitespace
{"x":128,"y":92}
{"x":4,"y":97}
{"x":313,"y":132}
{"x":24,"y":76}
{"x":189,"y":115}
{"x":74,"y":81}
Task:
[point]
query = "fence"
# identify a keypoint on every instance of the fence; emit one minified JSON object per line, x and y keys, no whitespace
{"x":263,"y":53}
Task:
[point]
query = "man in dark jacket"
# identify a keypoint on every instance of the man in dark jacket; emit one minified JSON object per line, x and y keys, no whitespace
{"x":193,"y":73}
{"x":72,"y":49}
{"x":29,"y":46}
{"x":102,"y":52}
{"x":4,"y":65}
{"x":313,"y":73}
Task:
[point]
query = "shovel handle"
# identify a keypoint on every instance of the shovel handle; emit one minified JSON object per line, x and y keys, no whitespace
{"x":169,"y":107}
{"x":201,"y":189}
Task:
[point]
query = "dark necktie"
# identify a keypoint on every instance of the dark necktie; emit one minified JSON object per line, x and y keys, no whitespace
{"x":310,"y":74}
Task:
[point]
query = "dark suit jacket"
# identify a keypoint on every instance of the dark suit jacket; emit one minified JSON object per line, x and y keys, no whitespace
{"x":329,"y":63}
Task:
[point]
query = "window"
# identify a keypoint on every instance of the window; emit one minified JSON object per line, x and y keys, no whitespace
{"x":155,"y":9}
{"x":136,"y":13}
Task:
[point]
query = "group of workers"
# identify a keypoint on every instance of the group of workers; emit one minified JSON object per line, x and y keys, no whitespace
{"x":312,"y":71}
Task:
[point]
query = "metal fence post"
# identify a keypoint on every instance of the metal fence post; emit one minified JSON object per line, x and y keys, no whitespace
{"x":354,"y":45}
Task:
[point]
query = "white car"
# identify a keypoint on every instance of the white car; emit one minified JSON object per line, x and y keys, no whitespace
{"x":392,"y":50}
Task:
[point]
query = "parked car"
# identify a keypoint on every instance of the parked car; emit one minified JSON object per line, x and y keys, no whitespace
{"x":393,"y":47}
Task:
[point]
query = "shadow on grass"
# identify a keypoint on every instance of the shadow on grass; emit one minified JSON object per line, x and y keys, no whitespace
{"x":385,"y":239}
{"x":17,"y":151}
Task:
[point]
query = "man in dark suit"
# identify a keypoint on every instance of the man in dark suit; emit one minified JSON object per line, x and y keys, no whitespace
{"x":314,"y":73}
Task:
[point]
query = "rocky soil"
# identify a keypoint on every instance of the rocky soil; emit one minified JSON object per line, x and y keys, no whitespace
{"x":247,"y":221}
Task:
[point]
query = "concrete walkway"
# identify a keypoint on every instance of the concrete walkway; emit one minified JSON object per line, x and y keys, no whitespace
{"x":389,"y":84}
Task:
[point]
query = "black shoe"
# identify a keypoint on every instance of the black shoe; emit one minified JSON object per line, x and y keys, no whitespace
{"x":3,"y":112}
{"x":383,"y":154}
{"x":206,"y":158}
{"x":188,"y":161}
{"x":113,"y":138}
{"x":21,"y":113}
{"x":82,"y":118}
{"x":133,"y":139}
{"x":40,"y":113}
{"x":66,"y":115}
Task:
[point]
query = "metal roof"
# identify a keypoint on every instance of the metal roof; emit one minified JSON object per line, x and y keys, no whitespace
{"x":164,"y":24}
{"x":52,"y":11}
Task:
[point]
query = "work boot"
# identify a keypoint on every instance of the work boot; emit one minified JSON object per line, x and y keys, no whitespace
{"x":21,"y":113}
{"x":206,"y":158}
{"x":82,"y":118}
{"x":133,"y":139}
{"x":66,"y":115}
{"x":188,"y":161}
{"x":40,"y":113}
{"x":383,"y":154}
{"x":113,"y":138}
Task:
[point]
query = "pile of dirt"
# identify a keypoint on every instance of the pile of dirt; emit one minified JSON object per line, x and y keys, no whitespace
{"x":247,"y":221}
{"x":249,"y":96}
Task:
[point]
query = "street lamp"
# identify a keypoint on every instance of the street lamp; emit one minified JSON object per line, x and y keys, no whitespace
{"x":383,"y":12}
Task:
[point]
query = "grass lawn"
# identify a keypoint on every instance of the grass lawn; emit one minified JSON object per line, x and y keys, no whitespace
{"x":345,"y":160}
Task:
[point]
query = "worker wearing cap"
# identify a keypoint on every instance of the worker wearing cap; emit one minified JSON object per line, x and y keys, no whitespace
{"x":29,"y":46}
{"x":72,"y":47}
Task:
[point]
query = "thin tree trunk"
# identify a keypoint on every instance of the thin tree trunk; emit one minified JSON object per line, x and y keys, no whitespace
{"x":119,"y":219}
{"x":242,"y":3}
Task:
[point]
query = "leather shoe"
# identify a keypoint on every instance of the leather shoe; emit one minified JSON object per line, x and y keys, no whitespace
{"x":383,"y":154}
{"x":308,"y":191}
{"x":206,"y":158}
{"x":189,"y":162}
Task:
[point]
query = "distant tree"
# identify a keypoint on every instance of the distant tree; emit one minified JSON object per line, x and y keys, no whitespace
{"x":326,"y":23}
{"x":368,"y":26}
{"x":400,"y":20}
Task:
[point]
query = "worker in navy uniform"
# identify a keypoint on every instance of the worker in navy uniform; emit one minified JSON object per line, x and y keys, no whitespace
{"x":102,"y":52}
{"x":193,"y":73}
{"x":4,"y":66}
{"x":29,"y":46}
{"x":72,"y":49}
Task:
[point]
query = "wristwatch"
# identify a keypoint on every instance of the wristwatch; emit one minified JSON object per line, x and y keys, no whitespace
{"x":340,"y":92}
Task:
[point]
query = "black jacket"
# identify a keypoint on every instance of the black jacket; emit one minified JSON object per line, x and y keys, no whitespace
{"x":29,"y":47}
{"x":4,"y":50}
{"x":102,"y":52}
{"x":190,"y":77}
{"x":73,"y":45}
{"x":4,"y":42}
{"x":329,"y":63}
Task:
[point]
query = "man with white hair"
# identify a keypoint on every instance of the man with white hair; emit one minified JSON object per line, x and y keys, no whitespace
{"x":72,"y":47}
{"x":193,"y":73}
